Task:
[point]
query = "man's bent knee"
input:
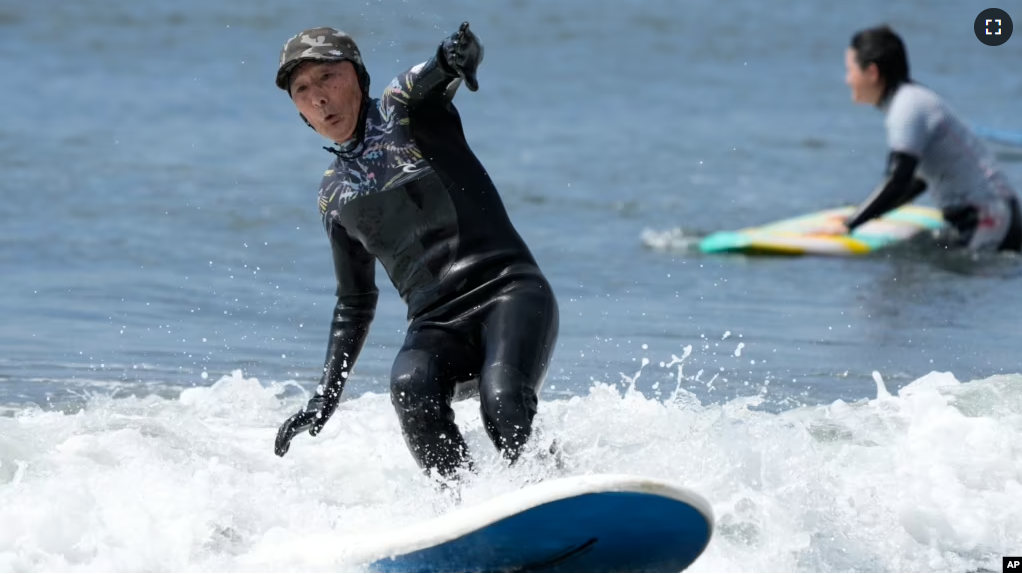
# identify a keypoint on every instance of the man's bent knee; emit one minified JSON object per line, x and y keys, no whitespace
{"x":509,"y":403}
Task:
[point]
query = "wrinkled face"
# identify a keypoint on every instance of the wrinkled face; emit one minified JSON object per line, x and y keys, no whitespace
{"x":328,"y":95}
{"x":866,"y":84}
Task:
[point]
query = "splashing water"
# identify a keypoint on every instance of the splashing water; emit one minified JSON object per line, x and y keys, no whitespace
{"x":927,"y":479}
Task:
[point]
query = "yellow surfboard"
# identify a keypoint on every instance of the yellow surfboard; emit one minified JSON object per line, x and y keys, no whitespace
{"x":795,"y":236}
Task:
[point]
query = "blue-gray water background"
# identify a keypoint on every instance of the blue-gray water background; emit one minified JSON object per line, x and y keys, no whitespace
{"x":159,"y":231}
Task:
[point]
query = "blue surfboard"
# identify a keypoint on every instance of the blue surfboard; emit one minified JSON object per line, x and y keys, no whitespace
{"x":598,"y":523}
{"x":1000,"y":136}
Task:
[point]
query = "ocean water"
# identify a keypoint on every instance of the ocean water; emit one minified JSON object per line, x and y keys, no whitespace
{"x":165,"y":285}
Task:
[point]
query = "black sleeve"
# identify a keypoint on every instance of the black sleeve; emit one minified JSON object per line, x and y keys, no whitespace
{"x":357,"y":294}
{"x":434,"y":78}
{"x":898,"y":188}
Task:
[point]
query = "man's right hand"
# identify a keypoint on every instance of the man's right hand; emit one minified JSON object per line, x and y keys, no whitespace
{"x":311,"y":418}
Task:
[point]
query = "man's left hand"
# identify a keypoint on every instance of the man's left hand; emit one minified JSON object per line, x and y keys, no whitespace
{"x":463,"y":54}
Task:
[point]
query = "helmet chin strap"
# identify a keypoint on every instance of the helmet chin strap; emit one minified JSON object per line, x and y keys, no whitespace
{"x":336,"y":151}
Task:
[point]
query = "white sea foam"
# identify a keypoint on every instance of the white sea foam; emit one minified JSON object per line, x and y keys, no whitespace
{"x":928,"y":479}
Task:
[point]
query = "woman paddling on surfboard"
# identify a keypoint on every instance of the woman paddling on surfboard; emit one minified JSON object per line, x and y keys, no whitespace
{"x":930,"y":148}
{"x":405,"y":189}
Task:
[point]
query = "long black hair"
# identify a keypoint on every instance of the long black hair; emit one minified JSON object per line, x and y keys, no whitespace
{"x":883,"y":47}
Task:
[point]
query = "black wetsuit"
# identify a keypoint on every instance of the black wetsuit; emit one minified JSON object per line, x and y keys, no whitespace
{"x":418,"y":200}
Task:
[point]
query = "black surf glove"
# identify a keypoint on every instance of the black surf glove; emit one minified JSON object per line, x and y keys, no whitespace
{"x":312,"y":418}
{"x":462,"y":53}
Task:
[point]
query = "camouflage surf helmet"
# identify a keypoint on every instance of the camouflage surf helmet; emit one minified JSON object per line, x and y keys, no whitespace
{"x":325,"y":45}
{"x":322,"y":44}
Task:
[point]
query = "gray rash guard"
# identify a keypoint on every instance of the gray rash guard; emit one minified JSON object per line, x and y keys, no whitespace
{"x":932,"y":148}
{"x":957,"y":167}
